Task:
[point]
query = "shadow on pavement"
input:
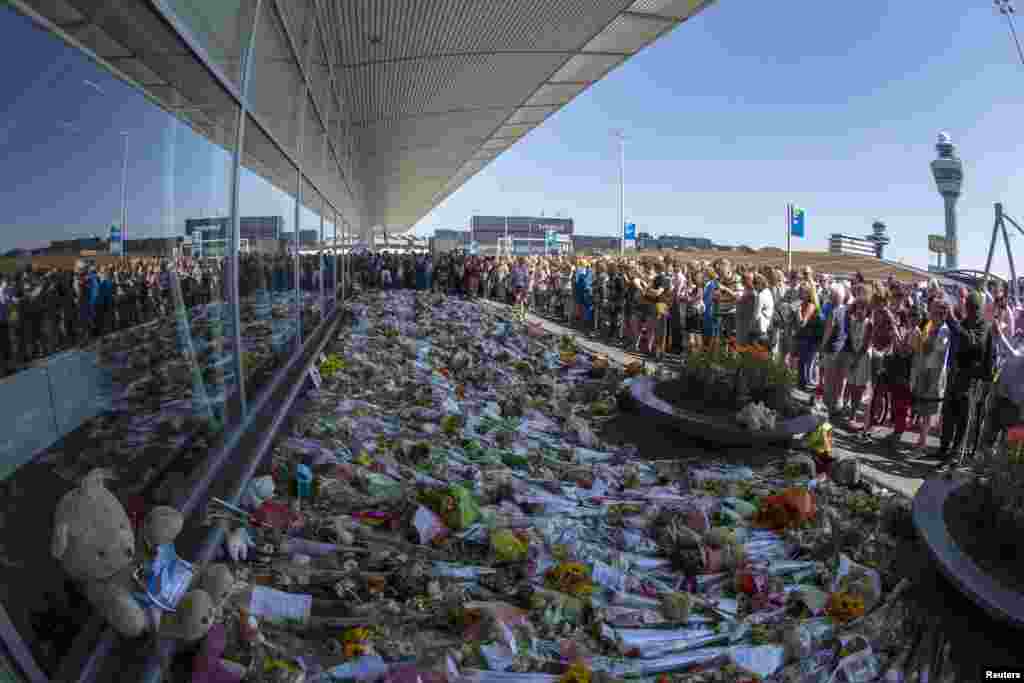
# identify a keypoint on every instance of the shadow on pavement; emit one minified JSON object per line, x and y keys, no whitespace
{"x":664,"y":444}
{"x":910,"y":463}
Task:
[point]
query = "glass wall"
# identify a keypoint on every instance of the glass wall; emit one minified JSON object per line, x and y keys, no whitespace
{"x":346,"y":258}
{"x":222,"y":28}
{"x":118,"y":345}
{"x":268,"y":187}
{"x":328,"y":262}
{"x":276,"y":89}
{"x":116,"y":338}
{"x":340,"y":259}
{"x":309,"y":269}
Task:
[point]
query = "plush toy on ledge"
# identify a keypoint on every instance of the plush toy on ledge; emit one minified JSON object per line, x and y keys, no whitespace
{"x":94,"y":542}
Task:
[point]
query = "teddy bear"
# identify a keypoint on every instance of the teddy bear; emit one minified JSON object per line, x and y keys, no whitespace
{"x":135,"y":590}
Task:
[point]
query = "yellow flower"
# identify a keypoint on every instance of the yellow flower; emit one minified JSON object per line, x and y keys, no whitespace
{"x":355,"y":650}
{"x":577,"y":673}
{"x":358,"y":634}
{"x":843,"y":606}
{"x":572,"y":578}
{"x":271,"y":665}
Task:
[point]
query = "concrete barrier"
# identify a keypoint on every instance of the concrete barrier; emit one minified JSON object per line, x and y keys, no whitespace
{"x":47,"y":402}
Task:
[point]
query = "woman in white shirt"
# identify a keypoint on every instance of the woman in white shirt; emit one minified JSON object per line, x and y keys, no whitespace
{"x":777,"y":332}
{"x":764,"y":311}
{"x":928,"y":372}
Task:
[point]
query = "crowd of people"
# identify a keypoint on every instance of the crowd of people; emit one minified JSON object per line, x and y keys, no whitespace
{"x":48,"y":310}
{"x":923,"y":352}
{"x":867,"y":350}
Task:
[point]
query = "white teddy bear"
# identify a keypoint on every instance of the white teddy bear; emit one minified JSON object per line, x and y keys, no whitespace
{"x":135,"y":592}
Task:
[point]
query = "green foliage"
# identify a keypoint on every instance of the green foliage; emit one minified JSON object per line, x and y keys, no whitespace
{"x":756,"y":372}
{"x":331,"y":365}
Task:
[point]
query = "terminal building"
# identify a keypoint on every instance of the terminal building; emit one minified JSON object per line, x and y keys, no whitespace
{"x":337,"y":122}
{"x":845,"y":244}
{"x":871,"y":245}
{"x":521,"y":235}
{"x":209,"y":237}
{"x":679,"y":242}
{"x":446,"y":240}
{"x":595,"y":243}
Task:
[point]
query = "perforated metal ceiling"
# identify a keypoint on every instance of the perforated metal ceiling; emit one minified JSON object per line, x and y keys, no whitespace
{"x":439,"y":88}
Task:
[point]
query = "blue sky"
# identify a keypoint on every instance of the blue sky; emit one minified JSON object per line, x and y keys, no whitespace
{"x":61,"y":153}
{"x":833,"y":105}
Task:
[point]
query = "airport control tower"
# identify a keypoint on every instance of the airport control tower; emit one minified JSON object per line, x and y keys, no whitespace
{"x":949,"y":176}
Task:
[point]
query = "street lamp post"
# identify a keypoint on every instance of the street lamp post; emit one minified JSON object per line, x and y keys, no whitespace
{"x":1006,"y":8}
{"x":124,"y":197}
{"x":621,"y":137}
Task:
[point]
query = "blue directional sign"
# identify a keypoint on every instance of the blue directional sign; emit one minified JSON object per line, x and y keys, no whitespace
{"x":630,"y":232}
{"x":116,"y":247}
{"x":796,"y":222}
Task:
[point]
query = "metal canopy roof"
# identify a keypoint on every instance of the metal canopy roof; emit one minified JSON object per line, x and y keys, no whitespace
{"x":409,"y":98}
{"x":439,"y":88}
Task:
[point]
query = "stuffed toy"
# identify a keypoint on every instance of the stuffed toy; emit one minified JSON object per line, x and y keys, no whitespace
{"x":131,"y":588}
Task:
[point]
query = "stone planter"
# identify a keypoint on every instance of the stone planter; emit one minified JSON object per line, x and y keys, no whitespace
{"x":728,"y":391}
{"x":689,"y":380}
{"x":758,"y":381}
{"x":1005,"y":472}
{"x":720,"y":393}
{"x":743,"y":391}
{"x":705,"y":423}
{"x":776,"y":397}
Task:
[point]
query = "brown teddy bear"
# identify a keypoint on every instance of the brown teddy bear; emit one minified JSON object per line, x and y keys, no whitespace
{"x":94,"y":542}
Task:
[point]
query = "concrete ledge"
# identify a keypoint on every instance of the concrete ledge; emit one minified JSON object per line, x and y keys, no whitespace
{"x":901,"y":486}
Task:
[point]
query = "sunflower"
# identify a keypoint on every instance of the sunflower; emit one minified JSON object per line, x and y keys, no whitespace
{"x":570,"y":577}
{"x":844,"y":606}
{"x":355,"y":650}
{"x":358,"y":634}
{"x":577,"y":673}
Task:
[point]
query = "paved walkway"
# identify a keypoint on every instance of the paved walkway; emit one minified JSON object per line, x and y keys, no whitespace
{"x":903,"y":475}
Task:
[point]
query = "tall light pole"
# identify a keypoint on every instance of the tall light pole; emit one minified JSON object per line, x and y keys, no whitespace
{"x":124,"y":197}
{"x":472,"y":219}
{"x":1006,"y":8}
{"x":621,"y":137}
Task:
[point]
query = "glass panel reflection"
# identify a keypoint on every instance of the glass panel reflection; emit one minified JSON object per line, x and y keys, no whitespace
{"x":115,"y":334}
{"x":299,"y":15}
{"x":341,"y":259}
{"x":223,"y":28}
{"x":267,"y":194}
{"x":277,"y":89}
{"x":329,"y":264}
{"x":309,"y":257}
